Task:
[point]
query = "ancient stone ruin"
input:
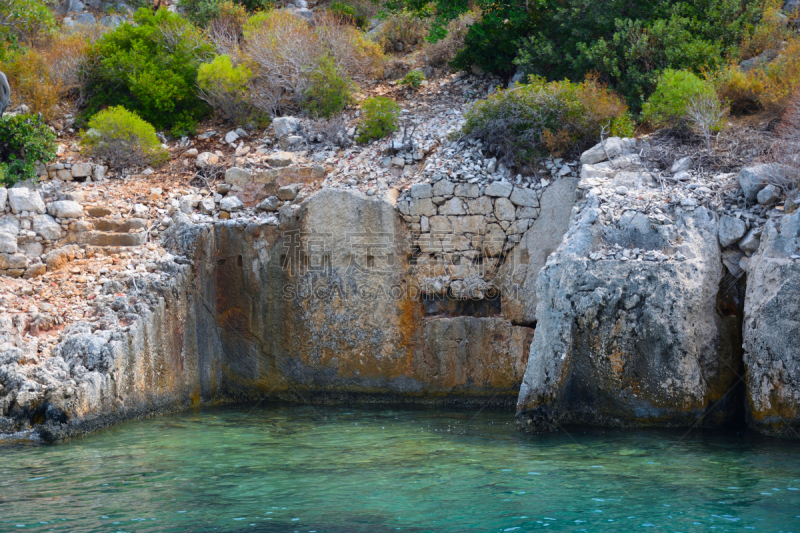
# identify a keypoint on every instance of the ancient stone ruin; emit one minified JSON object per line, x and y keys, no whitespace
{"x":607,"y":299}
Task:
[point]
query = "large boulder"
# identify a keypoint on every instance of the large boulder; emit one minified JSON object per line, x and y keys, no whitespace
{"x":611,"y":147}
{"x":753,"y":179}
{"x":286,"y":126}
{"x":25,"y":199}
{"x":65,"y":209}
{"x":631,"y":343}
{"x":772,"y":331}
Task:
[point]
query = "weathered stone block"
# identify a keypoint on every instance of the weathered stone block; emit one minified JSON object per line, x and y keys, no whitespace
{"x":443,"y":188}
{"x":13,"y":261}
{"x":81,"y":170}
{"x":500,"y":189}
{"x":421,"y":190}
{"x":504,"y":209}
{"x":23,"y":199}
{"x":65,"y":209}
{"x":453,"y":206}
{"x":524,"y":197}
{"x":47,"y":228}
{"x":467,"y":190}
{"x":8,"y":243}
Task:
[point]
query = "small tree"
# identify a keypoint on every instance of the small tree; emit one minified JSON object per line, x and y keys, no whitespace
{"x":706,"y":113}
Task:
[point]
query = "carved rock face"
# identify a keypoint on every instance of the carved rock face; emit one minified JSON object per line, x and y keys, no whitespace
{"x":5,"y":94}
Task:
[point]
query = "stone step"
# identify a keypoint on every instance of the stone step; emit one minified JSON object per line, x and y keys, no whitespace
{"x":92,"y":251}
{"x":105,"y":238}
{"x":119,"y":226}
{"x":98,"y":211}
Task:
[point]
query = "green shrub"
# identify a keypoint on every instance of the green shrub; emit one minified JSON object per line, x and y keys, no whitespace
{"x":541,"y":118}
{"x":222,"y":75}
{"x":443,"y":51}
{"x":348,"y":13}
{"x":225,"y":87}
{"x":626,"y":43}
{"x":22,"y":20}
{"x":379,"y":116}
{"x":150,"y":67}
{"x":25,"y":141}
{"x":202,"y":12}
{"x":414,"y":79}
{"x":328,"y":93}
{"x":123,"y":139}
{"x":674,"y":91}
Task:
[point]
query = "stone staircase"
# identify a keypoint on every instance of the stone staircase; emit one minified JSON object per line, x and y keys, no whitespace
{"x":108,"y":234}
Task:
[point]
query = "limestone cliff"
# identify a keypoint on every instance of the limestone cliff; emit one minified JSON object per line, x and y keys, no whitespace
{"x":631,"y":343}
{"x":772,"y":331}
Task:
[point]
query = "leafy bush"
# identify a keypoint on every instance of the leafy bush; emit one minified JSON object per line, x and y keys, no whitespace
{"x":22,"y":20}
{"x":629,"y":43}
{"x":533,"y":120}
{"x":151,"y":67}
{"x":674,"y":91}
{"x":626,"y":43}
{"x":348,"y":13}
{"x":768,"y":34}
{"x":493,"y":41}
{"x":225,"y":87}
{"x":123,"y":139}
{"x":768,"y":87}
{"x":379,"y":116}
{"x":443,"y":51}
{"x":414,"y":79}
{"x":328,"y":93}
{"x":402,"y":31}
{"x":203,"y":12}
{"x":25,"y":141}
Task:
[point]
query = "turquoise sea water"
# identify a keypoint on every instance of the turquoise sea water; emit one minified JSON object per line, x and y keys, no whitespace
{"x":358,"y":470}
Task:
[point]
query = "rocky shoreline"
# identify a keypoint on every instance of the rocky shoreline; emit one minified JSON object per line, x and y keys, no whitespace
{"x":609,"y":292}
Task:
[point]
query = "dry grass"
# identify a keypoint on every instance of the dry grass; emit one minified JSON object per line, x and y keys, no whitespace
{"x":225,"y":31}
{"x":353,"y":55}
{"x":402,"y":29}
{"x":53,"y":71}
{"x":31,"y":83}
{"x":285,"y":50}
{"x":785,"y":152}
{"x":764,"y":88}
{"x":283,"y":47}
{"x":732,"y":148}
